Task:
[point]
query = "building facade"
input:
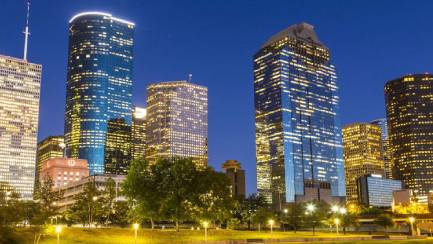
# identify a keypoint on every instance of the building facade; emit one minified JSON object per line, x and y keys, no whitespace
{"x":298,"y":134}
{"x":362,"y":155}
{"x":71,"y":190}
{"x":409,"y":111}
{"x":138,"y":135}
{"x":385,"y":146}
{"x":64,"y":171}
{"x":20,"y":84}
{"x":236,"y":174}
{"x":117,"y":147}
{"x":376,"y":191}
{"x":177,"y":121}
{"x":99,"y":84}
{"x":48,"y":148}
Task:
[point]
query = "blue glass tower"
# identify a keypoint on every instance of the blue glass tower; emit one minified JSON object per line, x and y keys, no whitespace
{"x":298,"y":133}
{"x":99,"y":85}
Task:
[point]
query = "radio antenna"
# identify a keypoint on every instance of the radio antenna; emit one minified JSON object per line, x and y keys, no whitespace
{"x":26,"y":31}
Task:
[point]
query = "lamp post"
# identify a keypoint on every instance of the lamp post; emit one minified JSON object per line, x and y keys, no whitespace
{"x":271,"y":223}
{"x":310,"y":210}
{"x":205,"y":225}
{"x":58,"y":230}
{"x":337,"y":223}
{"x":411,"y":221}
{"x":135,"y":226}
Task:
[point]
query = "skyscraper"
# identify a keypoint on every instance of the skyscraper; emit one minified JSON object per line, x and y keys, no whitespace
{"x":362,"y":155}
{"x":117,"y":147}
{"x":298,"y":135}
{"x":99,"y":85}
{"x":409,"y":111}
{"x":49,"y":148}
{"x":177,"y":121}
{"x":20,"y":83}
{"x":138,"y":134}
{"x":385,"y":146}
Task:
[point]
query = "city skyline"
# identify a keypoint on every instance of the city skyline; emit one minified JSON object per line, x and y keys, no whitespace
{"x":242,"y":134}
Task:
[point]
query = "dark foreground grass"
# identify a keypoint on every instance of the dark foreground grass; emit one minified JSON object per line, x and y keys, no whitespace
{"x":117,"y":235}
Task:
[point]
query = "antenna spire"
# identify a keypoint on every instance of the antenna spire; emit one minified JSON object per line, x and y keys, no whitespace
{"x":26,"y":31}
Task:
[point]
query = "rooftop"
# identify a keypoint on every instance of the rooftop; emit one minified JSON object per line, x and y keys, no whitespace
{"x":302,"y":30}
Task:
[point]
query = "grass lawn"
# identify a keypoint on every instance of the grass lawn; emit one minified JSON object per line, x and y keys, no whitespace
{"x":117,"y":235}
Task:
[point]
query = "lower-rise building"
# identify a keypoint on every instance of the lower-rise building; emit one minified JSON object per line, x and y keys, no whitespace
{"x":64,"y":170}
{"x":236,"y":175}
{"x":376,"y":191}
{"x":73,"y":189}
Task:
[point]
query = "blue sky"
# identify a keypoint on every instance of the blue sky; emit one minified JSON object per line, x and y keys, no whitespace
{"x":371,"y":42}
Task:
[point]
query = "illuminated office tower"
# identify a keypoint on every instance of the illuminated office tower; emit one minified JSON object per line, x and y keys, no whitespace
{"x":177,"y":121}
{"x":409,"y":111}
{"x":138,"y":135}
{"x":362,"y":155}
{"x":99,"y":85}
{"x":49,"y":148}
{"x":117,"y":147}
{"x":20,"y":83}
{"x":298,"y":135}
{"x":385,"y":146}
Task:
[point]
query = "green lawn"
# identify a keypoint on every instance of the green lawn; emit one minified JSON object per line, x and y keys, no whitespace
{"x":116,"y":235}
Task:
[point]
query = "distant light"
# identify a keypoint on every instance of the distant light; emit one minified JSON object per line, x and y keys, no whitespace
{"x":100,"y":13}
{"x":58,"y":229}
{"x":136,"y":225}
{"x":376,"y":175}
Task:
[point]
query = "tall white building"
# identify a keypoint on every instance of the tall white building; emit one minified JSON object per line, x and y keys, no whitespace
{"x":19,"y":110}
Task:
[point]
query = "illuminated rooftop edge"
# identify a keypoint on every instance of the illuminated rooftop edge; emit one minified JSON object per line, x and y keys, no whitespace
{"x":100,"y":13}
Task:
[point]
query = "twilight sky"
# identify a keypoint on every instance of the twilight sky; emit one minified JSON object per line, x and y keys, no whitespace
{"x":370,"y":42}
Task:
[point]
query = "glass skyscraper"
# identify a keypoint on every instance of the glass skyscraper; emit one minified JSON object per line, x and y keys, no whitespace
{"x":409,"y":111}
{"x":298,"y":134}
{"x":20,"y":84}
{"x":177,"y":121}
{"x":99,"y":84}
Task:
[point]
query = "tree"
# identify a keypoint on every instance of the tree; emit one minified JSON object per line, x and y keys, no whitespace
{"x":315,"y":213}
{"x":87,"y":206}
{"x":141,"y":187}
{"x":293,"y":215}
{"x":213,"y":197}
{"x":348,"y":220}
{"x":108,"y":200}
{"x":249,"y":208}
{"x":9,"y":205}
{"x":384,"y":221}
{"x":47,"y":198}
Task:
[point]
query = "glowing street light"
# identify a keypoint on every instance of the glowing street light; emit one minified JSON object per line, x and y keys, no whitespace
{"x":411,"y":221}
{"x":310,"y":210}
{"x":135,"y":226}
{"x":205,"y":225}
{"x":311,"y":207}
{"x":337,"y":223}
{"x":343,"y":211}
{"x":335,"y":209}
{"x":58,"y":230}
{"x":286,"y":210}
{"x":271,"y":223}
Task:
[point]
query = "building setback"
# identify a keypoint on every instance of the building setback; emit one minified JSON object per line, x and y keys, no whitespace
{"x":409,"y":111}
{"x":177,"y":121}
{"x":362,"y":155}
{"x":298,"y":135}
{"x":99,"y":89}
{"x":20,"y":84}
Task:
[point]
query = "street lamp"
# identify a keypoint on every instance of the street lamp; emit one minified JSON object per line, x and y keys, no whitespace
{"x":411,"y":221}
{"x":135,"y":226}
{"x":58,"y":230}
{"x":335,"y":209}
{"x":286,"y":210}
{"x":271,"y":223}
{"x":205,"y":225}
{"x":310,"y":210}
{"x":337,"y":222}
